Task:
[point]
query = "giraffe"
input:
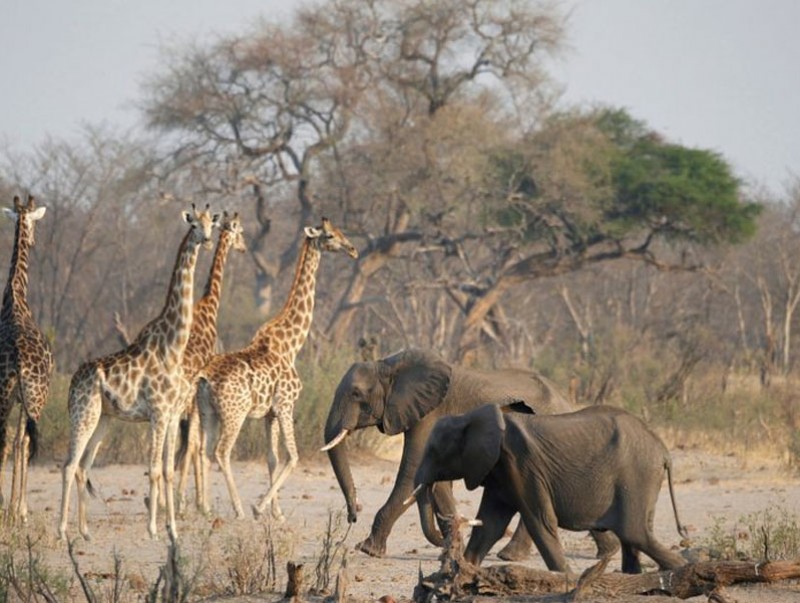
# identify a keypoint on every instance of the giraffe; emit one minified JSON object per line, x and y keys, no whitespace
{"x":261,"y":380}
{"x":26,"y":362}
{"x":201,"y":346}
{"x":143,"y":382}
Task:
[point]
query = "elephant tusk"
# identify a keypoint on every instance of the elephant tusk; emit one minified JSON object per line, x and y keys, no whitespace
{"x":335,"y":441}
{"x":413,"y":496}
{"x":474,"y":522}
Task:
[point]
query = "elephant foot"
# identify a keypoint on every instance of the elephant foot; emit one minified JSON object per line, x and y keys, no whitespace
{"x":370,"y":548}
{"x":515,"y":552}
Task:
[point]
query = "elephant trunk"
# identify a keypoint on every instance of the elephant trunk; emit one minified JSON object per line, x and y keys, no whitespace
{"x":427,"y":515}
{"x":341,"y":468}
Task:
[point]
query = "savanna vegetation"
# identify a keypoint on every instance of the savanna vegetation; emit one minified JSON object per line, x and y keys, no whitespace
{"x":496,"y":225}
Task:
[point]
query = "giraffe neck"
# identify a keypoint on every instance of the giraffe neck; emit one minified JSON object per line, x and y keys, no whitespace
{"x":212,"y":292}
{"x":16,"y":292}
{"x":177,"y":313}
{"x":287,"y":332}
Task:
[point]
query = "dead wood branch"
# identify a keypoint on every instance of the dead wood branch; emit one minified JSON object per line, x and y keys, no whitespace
{"x":703,"y":578}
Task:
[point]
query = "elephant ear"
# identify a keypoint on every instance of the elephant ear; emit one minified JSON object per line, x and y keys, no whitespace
{"x":482,"y":439}
{"x":416,"y":383}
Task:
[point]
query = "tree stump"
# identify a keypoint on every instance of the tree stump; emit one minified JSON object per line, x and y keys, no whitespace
{"x":294,"y":585}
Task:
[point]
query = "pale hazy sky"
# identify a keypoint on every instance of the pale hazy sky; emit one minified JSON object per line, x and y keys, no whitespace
{"x":715,"y":74}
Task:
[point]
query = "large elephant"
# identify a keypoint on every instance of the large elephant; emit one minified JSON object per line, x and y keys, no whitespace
{"x":406,"y":393}
{"x":598,"y":468}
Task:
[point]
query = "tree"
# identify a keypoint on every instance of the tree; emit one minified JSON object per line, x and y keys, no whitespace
{"x":602,"y":188}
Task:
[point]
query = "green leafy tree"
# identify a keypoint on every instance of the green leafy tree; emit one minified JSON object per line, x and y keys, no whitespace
{"x":591,"y":187}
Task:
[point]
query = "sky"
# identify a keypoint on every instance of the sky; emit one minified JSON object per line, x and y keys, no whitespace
{"x":712,"y":74}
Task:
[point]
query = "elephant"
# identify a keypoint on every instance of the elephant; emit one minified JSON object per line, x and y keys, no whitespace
{"x":406,"y":393}
{"x":598,"y":468}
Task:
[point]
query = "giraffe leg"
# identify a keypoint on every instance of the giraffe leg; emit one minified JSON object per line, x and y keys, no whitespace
{"x":83,"y":423}
{"x":190,"y":456}
{"x":168,"y":481}
{"x":159,"y":425}
{"x":273,"y":441}
{"x":195,"y":437}
{"x":22,"y":505}
{"x":82,"y":474}
{"x":287,"y":427}
{"x":209,"y":435}
{"x":3,"y":459}
{"x":230,"y":431}
{"x":18,"y":467}
{"x":6,"y":406}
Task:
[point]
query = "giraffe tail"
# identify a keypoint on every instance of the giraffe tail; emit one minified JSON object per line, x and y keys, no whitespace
{"x":32,"y":431}
{"x":183,"y":444}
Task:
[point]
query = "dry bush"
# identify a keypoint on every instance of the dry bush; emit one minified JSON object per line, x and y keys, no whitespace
{"x":771,"y":534}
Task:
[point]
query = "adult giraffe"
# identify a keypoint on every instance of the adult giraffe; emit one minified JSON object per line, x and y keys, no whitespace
{"x":145,"y":381}
{"x":26,"y":362}
{"x":261,"y":380}
{"x":201,"y":347}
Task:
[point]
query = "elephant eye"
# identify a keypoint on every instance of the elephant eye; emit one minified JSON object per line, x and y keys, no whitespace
{"x":356,"y":394}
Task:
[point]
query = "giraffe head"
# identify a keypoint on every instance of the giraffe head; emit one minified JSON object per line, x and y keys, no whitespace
{"x":330,"y":238}
{"x":233,"y":226}
{"x":202,"y":223}
{"x":26,"y":215}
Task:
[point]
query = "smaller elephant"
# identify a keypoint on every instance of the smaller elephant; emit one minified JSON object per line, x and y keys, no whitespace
{"x":599,"y":468}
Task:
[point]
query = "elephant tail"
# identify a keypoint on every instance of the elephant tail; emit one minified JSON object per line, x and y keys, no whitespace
{"x":681,"y":528}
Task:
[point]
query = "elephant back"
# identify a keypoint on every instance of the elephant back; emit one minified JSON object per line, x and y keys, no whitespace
{"x":470,"y":388}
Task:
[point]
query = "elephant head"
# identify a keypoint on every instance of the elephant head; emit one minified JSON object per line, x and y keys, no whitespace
{"x":393,"y":394}
{"x":465,"y":446}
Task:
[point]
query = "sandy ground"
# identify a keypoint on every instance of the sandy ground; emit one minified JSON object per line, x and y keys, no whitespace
{"x":709,"y":489}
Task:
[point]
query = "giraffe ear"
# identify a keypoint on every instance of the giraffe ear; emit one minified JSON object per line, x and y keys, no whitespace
{"x":313,"y":233}
{"x":38,"y":213}
{"x":10,"y":213}
{"x":187,"y":215}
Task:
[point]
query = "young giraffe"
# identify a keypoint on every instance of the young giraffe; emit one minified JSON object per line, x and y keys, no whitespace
{"x":261,"y":380}
{"x":26,"y":362}
{"x":201,"y":347}
{"x":143,"y":382}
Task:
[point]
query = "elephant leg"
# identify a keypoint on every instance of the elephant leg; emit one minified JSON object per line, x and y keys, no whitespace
{"x":495,"y":516}
{"x":542,"y":525}
{"x":519,"y":547}
{"x":630,"y":560}
{"x":606,"y":541}
{"x":664,"y":557}
{"x":635,"y":538}
{"x":413,"y":445}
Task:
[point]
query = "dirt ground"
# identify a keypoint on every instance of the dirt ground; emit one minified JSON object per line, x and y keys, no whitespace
{"x":708,"y":487}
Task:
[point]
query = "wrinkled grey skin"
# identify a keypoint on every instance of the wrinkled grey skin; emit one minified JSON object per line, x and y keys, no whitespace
{"x":598,"y":468}
{"x":406,"y":393}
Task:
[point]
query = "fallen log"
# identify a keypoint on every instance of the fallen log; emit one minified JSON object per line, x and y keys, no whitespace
{"x":688,"y":581}
{"x":456,"y":577}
